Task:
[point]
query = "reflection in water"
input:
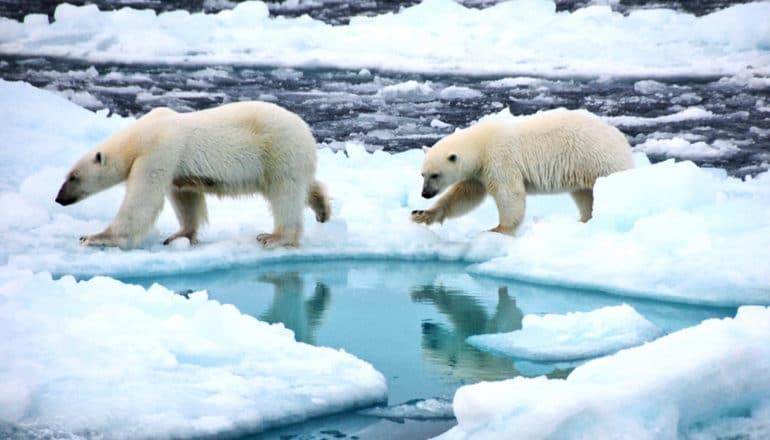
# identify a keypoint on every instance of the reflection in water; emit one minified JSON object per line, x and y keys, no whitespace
{"x":411,"y":327}
{"x":445,"y":348}
{"x":290,"y":307}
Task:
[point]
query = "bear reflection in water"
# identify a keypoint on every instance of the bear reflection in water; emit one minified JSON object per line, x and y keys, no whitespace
{"x":445,"y":347}
{"x":447,"y":316}
{"x":290,"y":307}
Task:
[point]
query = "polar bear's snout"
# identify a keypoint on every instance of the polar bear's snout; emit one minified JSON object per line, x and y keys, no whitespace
{"x":66,"y":195}
{"x":427,"y":191}
{"x":428,"y":194}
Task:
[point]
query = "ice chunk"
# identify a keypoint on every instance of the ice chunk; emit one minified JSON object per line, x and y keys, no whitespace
{"x":684,"y":149}
{"x":117,"y":361}
{"x":690,"y":113}
{"x":689,"y":382}
{"x":574,"y":336}
{"x":522,"y":36}
{"x":512,"y":82}
{"x":427,"y":409}
{"x":459,"y":93}
{"x":649,"y":87}
{"x":411,"y":90}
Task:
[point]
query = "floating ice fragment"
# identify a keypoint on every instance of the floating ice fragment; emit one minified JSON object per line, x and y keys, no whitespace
{"x":574,"y":336}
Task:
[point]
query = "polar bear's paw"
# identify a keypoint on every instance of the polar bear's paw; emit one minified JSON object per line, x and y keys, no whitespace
{"x":192,"y":236}
{"x":103,"y":240}
{"x":270,"y":241}
{"x":427,"y":216}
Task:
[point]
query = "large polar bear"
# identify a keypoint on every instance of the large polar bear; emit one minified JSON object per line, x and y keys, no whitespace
{"x":235,"y":149}
{"x":549,"y":152}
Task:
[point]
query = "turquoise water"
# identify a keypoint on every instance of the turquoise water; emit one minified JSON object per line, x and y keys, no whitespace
{"x":410,"y":320}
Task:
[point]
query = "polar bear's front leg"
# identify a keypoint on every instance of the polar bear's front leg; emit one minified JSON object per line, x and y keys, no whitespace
{"x":461,"y":198}
{"x":140,"y":208}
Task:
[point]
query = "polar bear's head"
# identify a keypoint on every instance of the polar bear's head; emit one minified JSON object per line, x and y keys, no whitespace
{"x":450,"y":160}
{"x":438,"y":172}
{"x":90,"y":175}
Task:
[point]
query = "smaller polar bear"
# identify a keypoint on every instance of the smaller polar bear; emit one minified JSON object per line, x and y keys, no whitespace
{"x":235,"y":149}
{"x":549,"y":152}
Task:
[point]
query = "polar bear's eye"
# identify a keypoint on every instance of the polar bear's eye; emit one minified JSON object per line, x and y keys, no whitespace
{"x":72,"y":178}
{"x":434,"y":176}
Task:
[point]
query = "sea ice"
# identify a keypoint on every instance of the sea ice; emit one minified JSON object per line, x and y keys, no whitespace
{"x":419,"y":410}
{"x":411,"y":91}
{"x":534,"y":38}
{"x":101,"y":358}
{"x":666,"y":231}
{"x":459,"y":93}
{"x":710,"y":378}
{"x":574,"y":336}
{"x":690,"y":113}
{"x":684,"y":149}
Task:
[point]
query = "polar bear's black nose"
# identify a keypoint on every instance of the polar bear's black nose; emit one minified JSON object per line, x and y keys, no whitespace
{"x":427,"y":194}
{"x":63,"y":199}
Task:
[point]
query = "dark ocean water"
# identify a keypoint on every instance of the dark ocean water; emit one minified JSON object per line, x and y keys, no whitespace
{"x":336,"y":11}
{"x":346,"y":105}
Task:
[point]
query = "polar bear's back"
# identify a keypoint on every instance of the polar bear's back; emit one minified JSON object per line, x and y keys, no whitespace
{"x":564,"y":150}
{"x":242,"y":148}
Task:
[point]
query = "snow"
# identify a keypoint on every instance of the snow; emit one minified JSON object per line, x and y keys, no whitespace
{"x":704,"y":242}
{"x":669,"y":231}
{"x":510,"y":83}
{"x":707,"y":241}
{"x":432,"y":36}
{"x":574,"y":336}
{"x":707,"y":381}
{"x":427,"y":409}
{"x":684,"y":149}
{"x":103,"y":358}
{"x":411,"y":91}
{"x":459,"y":93}
{"x":649,"y":87}
{"x":690,"y":113}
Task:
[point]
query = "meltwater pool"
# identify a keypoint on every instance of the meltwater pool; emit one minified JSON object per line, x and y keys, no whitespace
{"x":410,"y":320}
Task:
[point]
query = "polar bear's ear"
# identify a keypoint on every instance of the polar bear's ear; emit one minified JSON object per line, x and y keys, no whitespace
{"x":452,"y":157}
{"x":98,"y":158}
{"x":425,"y":149}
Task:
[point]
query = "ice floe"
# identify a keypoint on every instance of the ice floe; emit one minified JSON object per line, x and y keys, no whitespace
{"x":101,"y":358}
{"x":707,"y":381}
{"x":574,"y":336}
{"x":434,"y":35}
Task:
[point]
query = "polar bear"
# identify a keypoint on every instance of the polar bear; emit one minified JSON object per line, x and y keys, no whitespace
{"x":235,"y":149}
{"x":549,"y":152}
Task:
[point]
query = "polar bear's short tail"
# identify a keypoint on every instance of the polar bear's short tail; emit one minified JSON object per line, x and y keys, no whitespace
{"x":318,"y":201}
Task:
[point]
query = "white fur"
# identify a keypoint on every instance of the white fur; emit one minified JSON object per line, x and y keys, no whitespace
{"x":234,"y":149}
{"x":549,"y":152}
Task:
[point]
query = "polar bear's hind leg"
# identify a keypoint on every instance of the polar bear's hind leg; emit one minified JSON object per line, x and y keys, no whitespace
{"x":190,"y":209}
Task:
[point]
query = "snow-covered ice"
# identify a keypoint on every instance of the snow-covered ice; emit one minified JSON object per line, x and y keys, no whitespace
{"x":690,"y":113}
{"x":573,"y":336}
{"x":668,"y":231}
{"x":434,"y":35}
{"x":419,"y":410}
{"x":707,"y":381}
{"x":685,"y":149}
{"x":665,"y":231}
{"x":105,"y":359}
